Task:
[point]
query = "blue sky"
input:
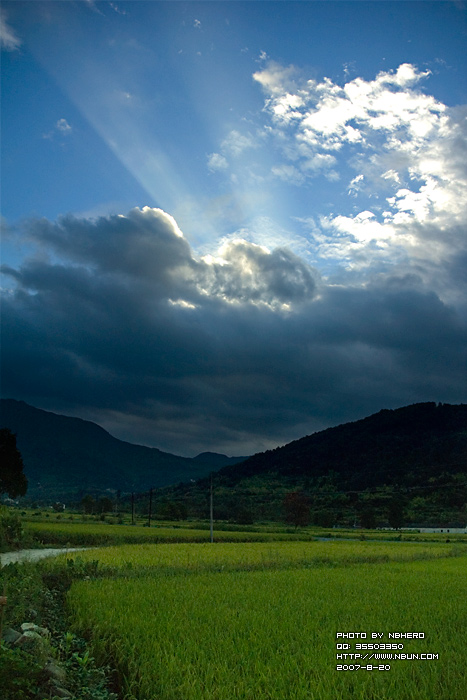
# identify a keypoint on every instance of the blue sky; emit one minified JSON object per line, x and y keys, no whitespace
{"x":228,"y":224}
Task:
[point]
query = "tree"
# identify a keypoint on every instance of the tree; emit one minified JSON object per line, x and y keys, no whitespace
{"x":105,"y":505}
{"x":58,"y":507}
{"x":12,"y":478}
{"x":170,"y":510}
{"x":297,"y":509}
{"x":88,"y":504}
{"x":396,"y":513}
{"x":244,"y":515}
{"x":368,"y":517}
{"x":323,"y":518}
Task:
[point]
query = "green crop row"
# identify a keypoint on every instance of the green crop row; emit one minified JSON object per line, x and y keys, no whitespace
{"x":272,"y":635}
{"x":194,"y":557}
{"x":103,"y":534}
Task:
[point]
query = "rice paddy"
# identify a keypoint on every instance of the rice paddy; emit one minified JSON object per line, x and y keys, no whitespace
{"x":223,"y":556}
{"x":93,"y":533}
{"x":259,"y":621}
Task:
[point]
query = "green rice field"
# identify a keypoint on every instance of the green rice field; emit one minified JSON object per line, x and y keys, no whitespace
{"x":103,"y":534}
{"x":190,"y":557}
{"x":96,"y":533}
{"x":259,"y":621}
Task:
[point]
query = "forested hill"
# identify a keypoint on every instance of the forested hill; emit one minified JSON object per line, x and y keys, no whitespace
{"x":406,"y":446}
{"x":64,"y":456}
{"x":421,"y":449}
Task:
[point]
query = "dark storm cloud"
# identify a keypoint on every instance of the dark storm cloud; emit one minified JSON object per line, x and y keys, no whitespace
{"x":121,"y":323}
{"x":144,"y":244}
{"x":249,"y":273}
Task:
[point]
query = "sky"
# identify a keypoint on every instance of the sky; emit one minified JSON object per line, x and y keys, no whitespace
{"x":227,"y":225}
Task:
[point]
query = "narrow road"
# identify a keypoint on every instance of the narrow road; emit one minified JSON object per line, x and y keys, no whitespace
{"x":33,"y":554}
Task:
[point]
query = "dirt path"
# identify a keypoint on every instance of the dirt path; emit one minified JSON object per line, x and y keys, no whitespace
{"x":33,"y":554}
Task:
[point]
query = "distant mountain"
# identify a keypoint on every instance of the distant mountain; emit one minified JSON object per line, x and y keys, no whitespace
{"x":411,"y":460}
{"x":405,"y":465}
{"x":405,"y":446}
{"x":64,"y":456}
{"x":216,"y":460}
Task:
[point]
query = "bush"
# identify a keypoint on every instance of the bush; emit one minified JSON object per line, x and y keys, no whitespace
{"x":10,"y":528}
{"x":23,"y":587}
{"x":21,"y":676}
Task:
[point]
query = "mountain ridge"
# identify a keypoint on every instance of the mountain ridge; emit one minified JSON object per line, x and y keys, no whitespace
{"x":405,"y":465}
{"x":428,"y":433}
{"x":414,"y":457}
{"x":64,"y":455}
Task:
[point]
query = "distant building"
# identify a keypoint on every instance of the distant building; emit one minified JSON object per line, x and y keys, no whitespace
{"x":445,"y":530}
{"x":450,"y":530}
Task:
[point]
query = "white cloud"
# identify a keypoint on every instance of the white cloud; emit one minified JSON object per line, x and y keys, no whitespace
{"x":405,"y":75}
{"x":275,"y":79}
{"x":117,"y":9}
{"x":288,"y":173}
{"x":9,"y":41}
{"x":287,"y":107}
{"x":355,"y":184}
{"x":389,"y":175}
{"x":236,"y":142}
{"x":317,"y":162}
{"x":402,"y":156}
{"x":92,"y":5}
{"x":330,"y":115}
{"x":63,"y":126}
{"x":216,"y":161}
{"x":403,"y":143}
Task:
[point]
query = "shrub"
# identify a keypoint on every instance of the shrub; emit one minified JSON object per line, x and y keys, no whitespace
{"x":20,"y":675}
{"x":10,"y":528}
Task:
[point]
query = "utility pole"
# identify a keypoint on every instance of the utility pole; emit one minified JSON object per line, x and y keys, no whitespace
{"x":132,"y":508}
{"x":150,"y":507}
{"x":211,"y":513}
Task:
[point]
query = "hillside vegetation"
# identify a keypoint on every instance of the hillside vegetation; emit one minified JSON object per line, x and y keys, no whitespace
{"x":400,"y":446}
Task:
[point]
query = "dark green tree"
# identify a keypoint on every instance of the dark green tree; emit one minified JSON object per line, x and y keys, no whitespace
{"x":170,"y":510}
{"x":244,"y":515}
{"x":368,"y":517}
{"x":396,"y":513}
{"x":105,"y":505}
{"x":323,"y":518}
{"x":88,"y":504}
{"x":12,"y":478}
{"x":297,"y":509}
